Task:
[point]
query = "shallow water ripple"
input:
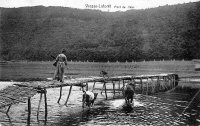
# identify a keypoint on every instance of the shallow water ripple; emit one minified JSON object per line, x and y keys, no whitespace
{"x":160,"y":110}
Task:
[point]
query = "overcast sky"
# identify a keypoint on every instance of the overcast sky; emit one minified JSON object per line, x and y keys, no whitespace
{"x":104,"y":5}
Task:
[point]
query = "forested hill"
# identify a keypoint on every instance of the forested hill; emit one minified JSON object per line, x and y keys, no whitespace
{"x":35,"y":33}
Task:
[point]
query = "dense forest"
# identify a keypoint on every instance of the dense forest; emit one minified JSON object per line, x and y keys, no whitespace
{"x":36,"y":33}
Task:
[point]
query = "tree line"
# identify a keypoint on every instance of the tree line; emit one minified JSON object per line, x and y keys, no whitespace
{"x":36,"y":33}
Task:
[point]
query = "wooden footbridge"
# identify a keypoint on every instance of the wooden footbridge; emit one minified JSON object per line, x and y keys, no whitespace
{"x":144,"y":84}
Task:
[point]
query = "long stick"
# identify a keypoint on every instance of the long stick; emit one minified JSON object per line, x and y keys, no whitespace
{"x":93,"y":86}
{"x":147,"y":87}
{"x":102,"y":88}
{"x":60,"y":95}
{"x":29,"y":106}
{"x":39,"y":105}
{"x":45,"y":101}
{"x":141,"y":85}
{"x":8,"y":108}
{"x":86,"y":86}
{"x":113,"y":89}
{"x":68,"y":95}
{"x":29,"y":111}
{"x":105,"y":90}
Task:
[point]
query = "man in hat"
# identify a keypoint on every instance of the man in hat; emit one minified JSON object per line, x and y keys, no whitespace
{"x":61,"y":62}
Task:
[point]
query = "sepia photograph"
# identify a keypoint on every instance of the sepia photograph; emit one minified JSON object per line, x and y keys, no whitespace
{"x":99,"y":62}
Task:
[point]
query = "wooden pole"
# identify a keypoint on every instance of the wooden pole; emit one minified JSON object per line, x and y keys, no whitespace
{"x":60,"y":95}
{"x":141,"y":85}
{"x":165,"y":80}
{"x":169,"y":82}
{"x":113,"y":89}
{"x":147,"y":86}
{"x":45,"y":102}
{"x":119,"y":87}
{"x":102,"y":88}
{"x":105,"y":90}
{"x":86,"y":86}
{"x":134,"y":84}
{"x":174,"y":81}
{"x":29,"y":105}
{"x":123,"y":84}
{"x":153,"y":86}
{"x":8,"y":108}
{"x":158,"y":83}
{"x":163,"y":84}
{"x":93,"y":86}
{"x":39,"y":105}
{"x":68,"y":95}
{"x":29,"y":110}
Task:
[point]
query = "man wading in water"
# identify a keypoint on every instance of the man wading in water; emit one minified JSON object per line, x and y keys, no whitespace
{"x":61,"y":62}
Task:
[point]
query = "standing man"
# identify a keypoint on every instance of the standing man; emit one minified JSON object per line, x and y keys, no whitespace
{"x":61,"y":62}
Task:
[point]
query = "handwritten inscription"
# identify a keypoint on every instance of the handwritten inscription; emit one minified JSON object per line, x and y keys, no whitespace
{"x":107,"y":6}
{"x":98,"y":6}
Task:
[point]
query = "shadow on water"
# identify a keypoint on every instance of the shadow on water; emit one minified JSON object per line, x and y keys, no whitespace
{"x":127,"y":108}
{"x":82,"y":117}
{"x":110,"y":112}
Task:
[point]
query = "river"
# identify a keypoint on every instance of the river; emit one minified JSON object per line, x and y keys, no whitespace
{"x":166,"y":108}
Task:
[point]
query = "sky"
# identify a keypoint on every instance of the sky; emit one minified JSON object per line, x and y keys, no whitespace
{"x":104,"y":5}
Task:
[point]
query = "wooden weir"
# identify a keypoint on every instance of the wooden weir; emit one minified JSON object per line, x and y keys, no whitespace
{"x":144,"y":84}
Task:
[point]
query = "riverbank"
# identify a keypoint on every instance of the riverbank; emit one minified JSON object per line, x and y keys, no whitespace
{"x":39,"y":71}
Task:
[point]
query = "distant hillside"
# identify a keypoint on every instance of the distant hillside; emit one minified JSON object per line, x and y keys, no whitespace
{"x":35,"y":33}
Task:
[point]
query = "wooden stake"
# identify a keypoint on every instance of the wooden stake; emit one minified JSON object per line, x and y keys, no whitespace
{"x":45,"y":101}
{"x":141,"y":85}
{"x":39,"y":105}
{"x":174,"y":80}
{"x":165,"y":80}
{"x":68,"y":95}
{"x":163,"y":84}
{"x":134,"y":84}
{"x":93,"y":86}
{"x":29,"y":110}
{"x":153,"y":86}
{"x":119,"y":87}
{"x":123,"y":84}
{"x":169,"y":81}
{"x":105,"y":90}
{"x":113,"y":88}
{"x":86,"y":86}
{"x":60,"y":95}
{"x":156,"y":84}
{"x":103,"y":87}
{"x":8,"y":108}
{"x":147,"y":86}
{"x":29,"y":105}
